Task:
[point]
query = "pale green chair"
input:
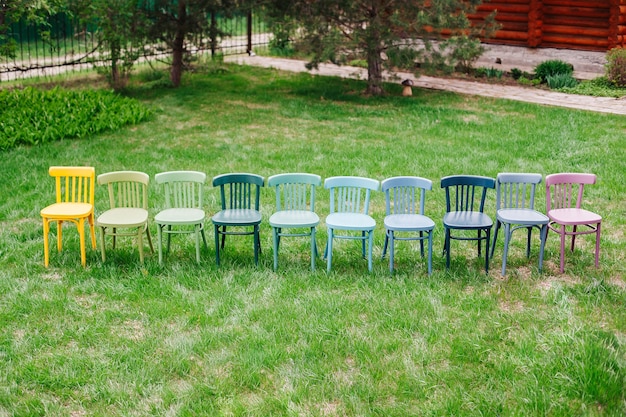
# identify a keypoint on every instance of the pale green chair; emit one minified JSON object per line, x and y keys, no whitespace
{"x":128,"y":201}
{"x":349,"y":207}
{"x":240,"y":195}
{"x":183,"y":213}
{"x":295,"y":209}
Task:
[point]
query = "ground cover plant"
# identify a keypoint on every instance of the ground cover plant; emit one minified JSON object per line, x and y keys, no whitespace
{"x":121,"y":338}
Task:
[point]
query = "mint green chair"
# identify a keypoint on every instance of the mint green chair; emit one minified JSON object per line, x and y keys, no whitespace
{"x":295,"y":209}
{"x":240,"y":195}
{"x":183,"y":213}
{"x":128,"y":201}
{"x":349,"y":207}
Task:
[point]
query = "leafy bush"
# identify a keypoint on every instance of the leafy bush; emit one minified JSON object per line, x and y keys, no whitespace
{"x":31,"y":116}
{"x":516,"y":73}
{"x":402,"y":57}
{"x":551,"y":68}
{"x":465,"y":52}
{"x":616,"y":66}
{"x":598,"y":87}
{"x":561,"y":80}
{"x":523,"y":80}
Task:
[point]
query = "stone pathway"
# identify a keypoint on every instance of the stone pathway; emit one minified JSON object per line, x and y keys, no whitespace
{"x":526,"y":94}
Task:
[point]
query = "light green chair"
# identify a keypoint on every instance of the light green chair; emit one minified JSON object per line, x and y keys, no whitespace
{"x":183,"y":213}
{"x":295,"y":209}
{"x":128,"y":201}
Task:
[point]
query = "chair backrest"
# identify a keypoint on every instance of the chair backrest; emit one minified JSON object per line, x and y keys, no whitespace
{"x":565,"y":190}
{"x":516,"y":190}
{"x":350,"y":194}
{"x":295,"y":191}
{"x":126,"y":188}
{"x":236,"y":190}
{"x":183,"y":189}
{"x":74,"y":184}
{"x":405,"y":195}
{"x":467,"y":192}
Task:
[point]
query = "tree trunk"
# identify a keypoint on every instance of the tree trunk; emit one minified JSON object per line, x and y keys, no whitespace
{"x":178,"y":48}
{"x":374,"y":73}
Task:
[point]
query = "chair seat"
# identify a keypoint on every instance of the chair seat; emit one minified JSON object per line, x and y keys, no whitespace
{"x":294,"y":218}
{"x":408,"y":222}
{"x":467,"y":220}
{"x":521,"y":216}
{"x":237,"y":217}
{"x":67,"y":210}
{"x":123,"y":217}
{"x":574,"y":216}
{"x":180,"y":216}
{"x":350,"y":221}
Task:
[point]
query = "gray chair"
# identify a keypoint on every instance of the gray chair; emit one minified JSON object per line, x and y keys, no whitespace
{"x":405,"y":199}
{"x":465,"y":205}
{"x":515,"y":209}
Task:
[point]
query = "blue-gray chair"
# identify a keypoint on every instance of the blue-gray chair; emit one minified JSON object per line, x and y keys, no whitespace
{"x":515,"y":209}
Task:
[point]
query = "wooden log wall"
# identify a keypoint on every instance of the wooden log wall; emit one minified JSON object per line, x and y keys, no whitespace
{"x":573,"y":24}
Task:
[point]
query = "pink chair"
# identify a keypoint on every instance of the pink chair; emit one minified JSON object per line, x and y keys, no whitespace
{"x":564,"y":194}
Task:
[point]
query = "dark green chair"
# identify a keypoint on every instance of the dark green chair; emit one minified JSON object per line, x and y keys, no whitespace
{"x":240,"y":194}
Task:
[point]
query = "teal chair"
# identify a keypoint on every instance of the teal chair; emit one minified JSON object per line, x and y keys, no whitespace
{"x":349,"y":207}
{"x":184,"y":212}
{"x":405,"y":198}
{"x":295,"y":209}
{"x":515,"y":209}
{"x":465,"y":206}
{"x":240,"y":194}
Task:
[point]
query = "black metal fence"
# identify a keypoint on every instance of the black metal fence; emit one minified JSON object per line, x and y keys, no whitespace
{"x":64,"y":45}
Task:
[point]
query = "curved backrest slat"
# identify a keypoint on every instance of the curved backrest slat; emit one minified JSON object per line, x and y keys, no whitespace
{"x":402,"y":194}
{"x":467,"y":191}
{"x":565,"y":190}
{"x":295,"y":191}
{"x":126,"y":188}
{"x":516,"y":190}
{"x":74,"y":184}
{"x":350,"y":194}
{"x":236,"y":190}
{"x":183,"y":189}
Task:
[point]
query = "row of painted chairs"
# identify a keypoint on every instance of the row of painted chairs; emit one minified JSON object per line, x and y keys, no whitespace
{"x":295,"y":210}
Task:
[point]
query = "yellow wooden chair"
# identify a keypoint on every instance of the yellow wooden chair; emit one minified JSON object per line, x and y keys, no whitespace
{"x":74,"y":203}
{"x":128,"y":201}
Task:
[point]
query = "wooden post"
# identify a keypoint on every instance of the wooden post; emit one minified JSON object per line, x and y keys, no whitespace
{"x":249,"y":31}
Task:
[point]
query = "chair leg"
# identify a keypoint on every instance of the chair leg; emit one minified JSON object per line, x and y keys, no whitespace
{"x":446,"y":247}
{"x":46,"y":245}
{"x":369,"y":252}
{"x":507,"y":240}
{"x":275,"y":240}
{"x":573,"y":238}
{"x":81,"y":236}
{"x":217,"y":244}
{"x":160,"y":242}
{"x":92,"y":230}
{"x":329,"y":250}
{"x":543,"y":238}
{"x":422,"y":243}
{"x":223,"y":237}
{"x":140,"y":243}
{"x":479,"y":240}
{"x":488,"y":231}
{"x":313,"y":249}
{"x":114,"y":236}
{"x":363,"y":243}
{"x":103,"y":243}
{"x":391,"y":249}
{"x":203,"y":236}
{"x":149,"y":239}
{"x":530,"y":232}
{"x":430,"y":252}
{"x":198,"y":230}
{"x":562,"y":248}
{"x":169,"y":237}
{"x":386,"y":243}
{"x":257,"y":242}
{"x":495,"y":238}
{"x":59,"y":236}
{"x":598,"y":244}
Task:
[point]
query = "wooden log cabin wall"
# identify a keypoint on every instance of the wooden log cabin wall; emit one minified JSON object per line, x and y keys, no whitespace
{"x":597,"y":25}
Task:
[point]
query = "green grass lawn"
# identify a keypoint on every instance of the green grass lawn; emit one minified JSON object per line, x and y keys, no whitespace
{"x":124,"y":339}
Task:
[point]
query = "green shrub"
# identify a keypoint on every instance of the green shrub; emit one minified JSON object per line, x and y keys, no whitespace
{"x":598,"y":87}
{"x":31,"y":116}
{"x":551,"y":68}
{"x":523,"y":80}
{"x":616,"y":66}
{"x":401,"y":57}
{"x":561,"y":80}
{"x":516,"y":73}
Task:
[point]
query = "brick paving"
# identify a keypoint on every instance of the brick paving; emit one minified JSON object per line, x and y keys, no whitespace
{"x":591,"y":65}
